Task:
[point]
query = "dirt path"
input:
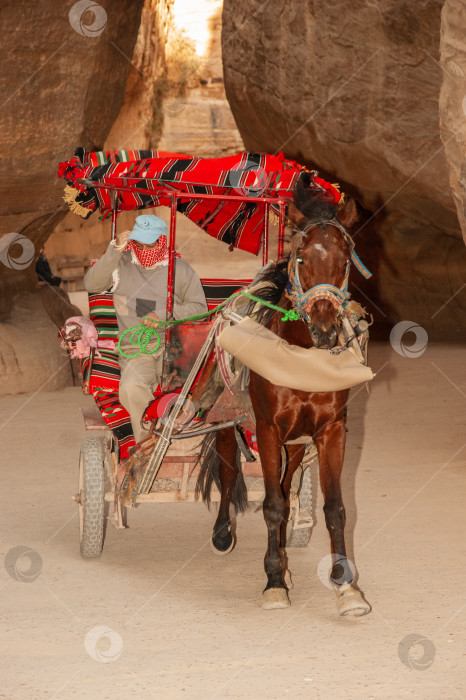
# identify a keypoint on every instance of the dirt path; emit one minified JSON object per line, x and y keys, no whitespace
{"x":182,"y":623}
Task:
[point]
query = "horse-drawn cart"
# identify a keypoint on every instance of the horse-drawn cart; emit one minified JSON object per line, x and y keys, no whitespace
{"x":294,"y":379}
{"x":234,"y":202}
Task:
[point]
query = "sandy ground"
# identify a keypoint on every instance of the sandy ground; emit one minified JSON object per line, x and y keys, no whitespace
{"x":158,"y":615}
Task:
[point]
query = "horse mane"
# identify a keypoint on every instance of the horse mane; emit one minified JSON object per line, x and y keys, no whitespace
{"x":316,"y":205}
{"x":276,"y":276}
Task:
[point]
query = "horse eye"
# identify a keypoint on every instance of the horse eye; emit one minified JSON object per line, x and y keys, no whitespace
{"x":300,"y":260}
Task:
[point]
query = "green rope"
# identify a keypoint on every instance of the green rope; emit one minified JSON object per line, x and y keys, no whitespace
{"x":142,"y":334}
{"x":290,"y":315}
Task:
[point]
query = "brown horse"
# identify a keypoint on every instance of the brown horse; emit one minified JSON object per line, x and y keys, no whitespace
{"x":313,"y":281}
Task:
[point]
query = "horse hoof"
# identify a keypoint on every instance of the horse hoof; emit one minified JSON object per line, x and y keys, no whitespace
{"x":274,"y":598}
{"x":288,"y":581}
{"x":351,"y":602}
{"x":221,"y":552}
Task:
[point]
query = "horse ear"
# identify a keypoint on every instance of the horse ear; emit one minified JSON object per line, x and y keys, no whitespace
{"x":295,"y":216}
{"x":347,"y":213}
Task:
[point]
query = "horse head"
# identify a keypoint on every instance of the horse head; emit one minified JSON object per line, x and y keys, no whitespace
{"x":319,"y":262}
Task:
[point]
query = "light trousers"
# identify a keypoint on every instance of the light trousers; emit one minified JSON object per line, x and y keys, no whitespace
{"x":139,"y":377}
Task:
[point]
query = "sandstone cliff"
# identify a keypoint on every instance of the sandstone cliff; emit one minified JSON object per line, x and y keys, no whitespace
{"x":453,"y":100}
{"x":358,"y":91}
{"x":113,"y":75}
{"x":64,"y":71}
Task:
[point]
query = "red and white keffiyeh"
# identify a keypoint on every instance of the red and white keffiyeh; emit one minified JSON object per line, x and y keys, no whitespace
{"x":150,"y":259}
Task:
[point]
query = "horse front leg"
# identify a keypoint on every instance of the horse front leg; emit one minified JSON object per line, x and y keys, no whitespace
{"x":226,"y":448}
{"x":275,"y":593}
{"x":331,"y":448}
{"x":295,"y":455}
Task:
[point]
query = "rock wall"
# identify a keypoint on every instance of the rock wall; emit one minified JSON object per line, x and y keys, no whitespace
{"x":133,"y":127}
{"x":31,"y":359}
{"x":354,"y":90}
{"x":453,"y":100}
{"x":62,"y":84}
{"x":74,"y":240}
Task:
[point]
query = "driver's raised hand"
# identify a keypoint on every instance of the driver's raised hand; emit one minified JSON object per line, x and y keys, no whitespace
{"x":121,"y":239}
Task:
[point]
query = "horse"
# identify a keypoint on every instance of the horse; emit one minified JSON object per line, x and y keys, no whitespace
{"x":320,"y":259}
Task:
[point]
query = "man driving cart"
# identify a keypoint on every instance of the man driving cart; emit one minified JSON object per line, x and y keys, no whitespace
{"x":135,"y":268}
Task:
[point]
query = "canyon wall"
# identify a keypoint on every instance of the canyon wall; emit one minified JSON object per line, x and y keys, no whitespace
{"x":370,"y":94}
{"x":108,"y":75}
{"x":62,"y":84}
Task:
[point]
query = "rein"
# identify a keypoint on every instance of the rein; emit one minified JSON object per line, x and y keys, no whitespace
{"x":141,"y":335}
{"x":302,"y":301}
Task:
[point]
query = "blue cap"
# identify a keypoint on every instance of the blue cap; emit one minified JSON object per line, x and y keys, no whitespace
{"x":148,"y":228}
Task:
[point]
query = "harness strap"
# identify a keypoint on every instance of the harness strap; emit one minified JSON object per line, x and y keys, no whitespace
{"x":326,"y":291}
{"x":360,"y":266}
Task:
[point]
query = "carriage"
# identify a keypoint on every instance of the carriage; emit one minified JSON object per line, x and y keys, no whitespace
{"x":232,"y":199}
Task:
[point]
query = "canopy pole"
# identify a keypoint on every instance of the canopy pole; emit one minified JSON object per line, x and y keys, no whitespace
{"x":114,"y":213}
{"x":171,"y":256}
{"x":281,"y":229}
{"x":265,"y":235}
{"x":170,"y":284}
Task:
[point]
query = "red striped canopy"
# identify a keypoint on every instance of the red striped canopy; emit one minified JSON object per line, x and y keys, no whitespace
{"x":237,"y":223}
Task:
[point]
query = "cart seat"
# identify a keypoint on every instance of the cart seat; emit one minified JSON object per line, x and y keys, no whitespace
{"x":219,"y":289}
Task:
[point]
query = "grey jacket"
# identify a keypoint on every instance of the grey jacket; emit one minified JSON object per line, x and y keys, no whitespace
{"x":139,"y":291}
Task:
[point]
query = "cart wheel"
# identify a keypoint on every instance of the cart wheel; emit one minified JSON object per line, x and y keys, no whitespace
{"x":91,"y":497}
{"x":299,"y":537}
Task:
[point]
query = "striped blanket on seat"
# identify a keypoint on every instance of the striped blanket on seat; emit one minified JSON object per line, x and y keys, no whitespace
{"x":104,"y":379}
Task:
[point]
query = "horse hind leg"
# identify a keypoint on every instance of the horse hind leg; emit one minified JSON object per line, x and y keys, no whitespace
{"x":221,"y":465}
{"x":295,"y":454}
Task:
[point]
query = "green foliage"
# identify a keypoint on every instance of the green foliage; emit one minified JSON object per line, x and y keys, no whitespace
{"x":183,"y":63}
{"x":179,"y":74}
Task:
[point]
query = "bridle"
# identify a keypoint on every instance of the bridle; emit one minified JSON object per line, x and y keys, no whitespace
{"x":302,"y":301}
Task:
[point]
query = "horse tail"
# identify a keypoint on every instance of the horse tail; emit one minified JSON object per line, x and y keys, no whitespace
{"x":209,"y":475}
{"x":240,"y":493}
